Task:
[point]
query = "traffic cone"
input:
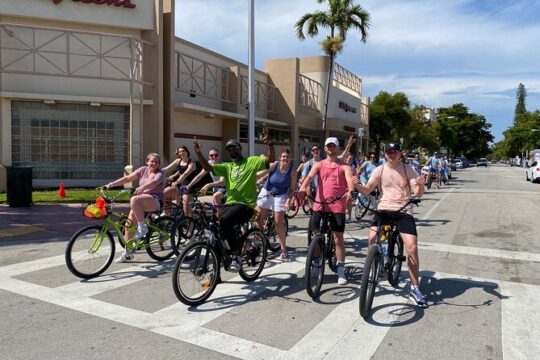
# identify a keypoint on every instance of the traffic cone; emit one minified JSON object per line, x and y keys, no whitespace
{"x":62,"y":191}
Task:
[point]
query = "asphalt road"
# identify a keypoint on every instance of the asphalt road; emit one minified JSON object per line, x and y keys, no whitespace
{"x":480,"y":260}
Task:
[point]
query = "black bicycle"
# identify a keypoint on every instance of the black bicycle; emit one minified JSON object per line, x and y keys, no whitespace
{"x":322,"y":248}
{"x":384,"y":256}
{"x":197,"y":269}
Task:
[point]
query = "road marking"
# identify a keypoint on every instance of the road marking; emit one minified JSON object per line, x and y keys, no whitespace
{"x":435,"y":206}
{"x":341,"y":334}
{"x":476,"y":251}
{"x":19,"y":230}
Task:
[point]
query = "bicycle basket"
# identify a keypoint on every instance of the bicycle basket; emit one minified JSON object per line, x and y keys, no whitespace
{"x":93,"y":212}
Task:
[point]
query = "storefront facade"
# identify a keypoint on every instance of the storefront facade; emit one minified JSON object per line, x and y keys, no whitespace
{"x":83,"y":101}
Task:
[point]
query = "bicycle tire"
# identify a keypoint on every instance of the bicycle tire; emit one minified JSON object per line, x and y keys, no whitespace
{"x":395,"y":253}
{"x":293,"y":208}
{"x":253,"y":255}
{"x":159,"y":245}
{"x":195,"y":274}
{"x":331,"y":251}
{"x":314,"y":270}
{"x":85,"y":262}
{"x":307,"y":208}
{"x":429,"y":181}
{"x":370,"y":277}
{"x":181,"y":235}
{"x":361,"y":206}
{"x":270,"y":232}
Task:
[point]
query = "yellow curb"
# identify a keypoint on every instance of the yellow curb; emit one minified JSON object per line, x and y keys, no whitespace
{"x":19,"y":230}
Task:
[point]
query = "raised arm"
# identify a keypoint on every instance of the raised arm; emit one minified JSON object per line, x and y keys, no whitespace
{"x":267,"y":139}
{"x":347,"y":149}
{"x":198,"y":151}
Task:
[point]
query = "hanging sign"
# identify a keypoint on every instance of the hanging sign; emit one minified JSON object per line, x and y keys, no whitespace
{"x":118,"y":3}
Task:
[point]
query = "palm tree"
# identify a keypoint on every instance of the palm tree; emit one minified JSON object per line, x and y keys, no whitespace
{"x":341,"y":17}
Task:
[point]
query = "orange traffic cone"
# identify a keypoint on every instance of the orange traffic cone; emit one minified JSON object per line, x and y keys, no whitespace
{"x":62,"y":191}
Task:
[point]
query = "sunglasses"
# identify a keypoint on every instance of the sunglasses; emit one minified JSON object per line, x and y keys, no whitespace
{"x":212,"y":155}
{"x":315,"y":149}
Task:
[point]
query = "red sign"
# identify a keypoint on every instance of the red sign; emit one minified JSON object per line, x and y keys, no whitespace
{"x":117,"y":3}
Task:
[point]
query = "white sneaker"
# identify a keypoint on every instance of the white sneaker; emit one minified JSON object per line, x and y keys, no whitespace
{"x":342,"y":277}
{"x":126,"y":256}
{"x":236,"y":264}
{"x":141,"y":232}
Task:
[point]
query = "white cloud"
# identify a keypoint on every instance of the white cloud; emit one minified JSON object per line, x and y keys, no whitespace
{"x":436,"y":52}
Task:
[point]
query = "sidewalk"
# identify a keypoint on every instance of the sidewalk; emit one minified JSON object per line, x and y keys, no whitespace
{"x":43,"y":222}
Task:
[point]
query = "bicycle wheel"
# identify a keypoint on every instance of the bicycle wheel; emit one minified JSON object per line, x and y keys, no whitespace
{"x":307,"y":206}
{"x":270,"y":232}
{"x":361,"y":206}
{"x":195,"y":274}
{"x":370,"y":277}
{"x":395,"y":253}
{"x":314,"y":270}
{"x":294,"y":207}
{"x":158,"y":240}
{"x":331,"y":251}
{"x":253,"y":255}
{"x":90,"y":252}
{"x":429,"y":181}
{"x":181,"y":233}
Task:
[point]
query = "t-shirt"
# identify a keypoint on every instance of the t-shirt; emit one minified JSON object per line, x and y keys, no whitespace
{"x":433,"y":163}
{"x":240,"y":179}
{"x":369,"y":167}
{"x":145,"y":177}
{"x":393,"y":184}
{"x":307,"y":168}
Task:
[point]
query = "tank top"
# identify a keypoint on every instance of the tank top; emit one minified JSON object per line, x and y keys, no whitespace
{"x":182,"y":169}
{"x":331,"y":184}
{"x":278,"y":182}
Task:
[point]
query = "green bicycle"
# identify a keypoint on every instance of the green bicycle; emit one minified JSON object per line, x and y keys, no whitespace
{"x":90,"y":251}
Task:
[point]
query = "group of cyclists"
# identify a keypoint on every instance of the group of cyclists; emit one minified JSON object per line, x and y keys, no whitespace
{"x":330,"y":181}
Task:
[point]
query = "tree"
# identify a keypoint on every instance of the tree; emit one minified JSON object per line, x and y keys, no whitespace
{"x":341,"y":17}
{"x":390,"y":117}
{"x":472,"y":135}
{"x":521,"y":94}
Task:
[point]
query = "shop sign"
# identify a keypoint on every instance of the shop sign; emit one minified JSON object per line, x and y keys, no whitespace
{"x":346,"y":107}
{"x":117,"y":3}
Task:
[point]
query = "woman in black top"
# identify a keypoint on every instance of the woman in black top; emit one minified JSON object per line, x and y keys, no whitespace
{"x":185,"y":172}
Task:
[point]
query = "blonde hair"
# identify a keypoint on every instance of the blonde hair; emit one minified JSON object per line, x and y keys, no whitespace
{"x":155,"y":155}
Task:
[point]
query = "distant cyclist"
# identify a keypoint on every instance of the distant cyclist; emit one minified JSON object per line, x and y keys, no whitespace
{"x":433,"y":163}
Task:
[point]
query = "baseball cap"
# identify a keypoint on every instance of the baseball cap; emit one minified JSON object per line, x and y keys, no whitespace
{"x":392,"y":146}
{"x":331,"y":140}
{"x":234,"y":143}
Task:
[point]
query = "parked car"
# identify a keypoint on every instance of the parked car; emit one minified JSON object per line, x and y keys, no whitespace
{"x":464,"y":161}
{"x":533,"y":172}
{"x":481,"y":162}
{"x":453,"y":165}
{"x":459,"y":164}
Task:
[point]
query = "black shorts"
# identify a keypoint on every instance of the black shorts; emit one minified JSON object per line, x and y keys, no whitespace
{"x":405,"y":222}
{"x":336,"y":221}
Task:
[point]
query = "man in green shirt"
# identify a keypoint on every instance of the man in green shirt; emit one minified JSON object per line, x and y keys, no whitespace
{"x":240,"y":179}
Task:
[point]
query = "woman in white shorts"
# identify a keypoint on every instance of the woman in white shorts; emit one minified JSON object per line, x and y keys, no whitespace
{"x":276,"y":194}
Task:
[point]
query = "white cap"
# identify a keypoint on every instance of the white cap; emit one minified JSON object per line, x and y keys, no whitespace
{"x":331,"y":140}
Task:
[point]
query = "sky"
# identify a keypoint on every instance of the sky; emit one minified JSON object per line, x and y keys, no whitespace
{"x":438,"y":52}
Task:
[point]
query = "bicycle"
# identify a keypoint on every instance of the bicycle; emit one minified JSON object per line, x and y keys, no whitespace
{"x":270,"y":231}
{"x":322,"y":248}
{"x":362,"y":203}
{"x":90,"y":251}
{"x":197,"y":270}
{"x":377,"y":262}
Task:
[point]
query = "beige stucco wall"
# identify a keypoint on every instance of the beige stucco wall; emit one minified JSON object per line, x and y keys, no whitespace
{"x":78,"y":12}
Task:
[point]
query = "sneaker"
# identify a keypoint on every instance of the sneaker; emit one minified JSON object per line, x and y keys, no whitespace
{"x":284,"y":256}
{"x":141,"y":232}
{"x":342,"y":277}
{"x":126,"y":256}
{"x":418,"y":298}
{"x":236,"y":264}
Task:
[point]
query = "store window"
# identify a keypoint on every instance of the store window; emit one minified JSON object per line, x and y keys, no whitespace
{"x":282,"y":136}
{"x":70,"y":141}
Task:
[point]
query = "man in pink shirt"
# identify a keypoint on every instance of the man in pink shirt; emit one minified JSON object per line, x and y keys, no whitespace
{"x":397,"y":182}
{"x":334,"y":185}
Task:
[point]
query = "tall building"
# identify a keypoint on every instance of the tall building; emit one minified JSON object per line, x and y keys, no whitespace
{"x":87,"y":89}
